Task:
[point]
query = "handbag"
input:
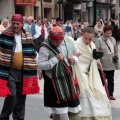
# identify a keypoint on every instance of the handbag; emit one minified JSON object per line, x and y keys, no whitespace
{"x":37,"y":42}
{"x":103,"y":78}
{"x":97,"y":54}
{"x":114,"y":58}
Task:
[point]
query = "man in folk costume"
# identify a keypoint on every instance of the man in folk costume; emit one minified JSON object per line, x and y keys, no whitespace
{"x":55,"y":58}
{"x":18,"y":69}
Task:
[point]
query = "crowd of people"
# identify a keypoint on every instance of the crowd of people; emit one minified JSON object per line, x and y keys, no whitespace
{"x":68,"y":56}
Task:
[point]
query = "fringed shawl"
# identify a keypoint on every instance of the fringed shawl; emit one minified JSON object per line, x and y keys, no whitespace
{"x":94,"y":101}
{"x":30,"y":81}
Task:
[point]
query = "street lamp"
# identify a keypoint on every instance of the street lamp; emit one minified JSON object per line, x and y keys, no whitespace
{"x":41,"y":9}
{"x":94,"y":19}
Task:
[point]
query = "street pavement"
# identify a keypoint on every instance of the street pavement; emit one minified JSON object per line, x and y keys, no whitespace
{"x":35,"y":109}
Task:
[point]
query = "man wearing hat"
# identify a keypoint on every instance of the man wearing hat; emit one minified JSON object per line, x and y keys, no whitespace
{"x":56,"y":57}
{"x":18,"y":74}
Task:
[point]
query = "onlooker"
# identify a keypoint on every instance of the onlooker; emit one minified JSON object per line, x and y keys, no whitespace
{"x":68,"y":29}
{"x":47,"y":25}
{"x":115,"y":32}
{"x":31,"y":25}
{"x":79,"y":31}
{"x":41,"y":34}
{"x":108,"y":45}
{"x":26,"y":25}
{"x":58,"y":22}
{"x":117,"y":21}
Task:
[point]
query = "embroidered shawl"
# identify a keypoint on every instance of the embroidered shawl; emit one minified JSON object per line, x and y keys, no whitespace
{"x":94,"y":101}
{"x":30,"y":81}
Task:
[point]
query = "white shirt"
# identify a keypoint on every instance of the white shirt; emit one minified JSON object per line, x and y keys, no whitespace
{"x":38,"y":31}
{"x":18,"y":40}
{"x":46,"y":64}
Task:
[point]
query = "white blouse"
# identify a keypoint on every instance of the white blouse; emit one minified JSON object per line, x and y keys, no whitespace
{"x":38,"y":31}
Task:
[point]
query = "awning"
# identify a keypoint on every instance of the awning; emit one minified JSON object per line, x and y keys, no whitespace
{"x":25,"y":2}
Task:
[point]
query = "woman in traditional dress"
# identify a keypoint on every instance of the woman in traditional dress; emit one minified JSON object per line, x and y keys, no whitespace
{"x":93,"y":99}
{"x":99,"y":28}
{"x":68,"y":29}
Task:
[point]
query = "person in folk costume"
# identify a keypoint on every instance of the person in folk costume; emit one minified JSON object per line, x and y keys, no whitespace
{"x":18,"y":69}
{"x":68,"y":29}
{"x":5,"y":23}
{"x":99,"y":28}
{"x":56,"y":57}
{"x":93,"y":98}
{"x":32,"y":25}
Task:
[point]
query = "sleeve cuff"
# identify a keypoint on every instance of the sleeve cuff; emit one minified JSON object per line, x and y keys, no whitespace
{"x":76,"y":59}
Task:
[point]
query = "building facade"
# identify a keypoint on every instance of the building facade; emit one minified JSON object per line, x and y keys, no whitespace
{"x":84,"y":9}
{"x":116,"y":10}
{"x":103,"y":9}
{"x":43,"y":8}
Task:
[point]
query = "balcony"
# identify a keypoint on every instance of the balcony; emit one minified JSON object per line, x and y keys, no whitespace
{"x":49,"y":1}
{"x":74,"y":1}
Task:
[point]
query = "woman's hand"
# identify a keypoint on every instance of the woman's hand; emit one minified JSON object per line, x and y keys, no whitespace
{"x":71,"y":60}
{"x":40,"y":74}
{"x":99,"y":65}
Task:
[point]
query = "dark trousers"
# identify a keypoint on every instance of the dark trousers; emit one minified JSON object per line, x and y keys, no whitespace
{"x":110,"y":80}
{"x":14,"y":103}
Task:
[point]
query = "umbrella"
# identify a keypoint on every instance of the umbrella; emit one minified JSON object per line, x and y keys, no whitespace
{"x":103,"y":78}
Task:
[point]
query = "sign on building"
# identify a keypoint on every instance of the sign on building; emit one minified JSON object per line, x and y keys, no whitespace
{"x":25,"y":2}
{"x":83,"y":7}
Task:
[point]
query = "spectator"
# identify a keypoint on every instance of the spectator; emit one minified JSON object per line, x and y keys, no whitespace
{"x":108,"y":45}
{"x":31,"y":25}
{"x":68,"y":29}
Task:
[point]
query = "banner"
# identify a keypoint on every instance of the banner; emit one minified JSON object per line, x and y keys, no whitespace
{"x":25,"y":2}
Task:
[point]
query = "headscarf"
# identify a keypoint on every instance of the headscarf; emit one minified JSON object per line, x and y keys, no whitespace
{"x":18,"y":18}
{"x":7,"y":24}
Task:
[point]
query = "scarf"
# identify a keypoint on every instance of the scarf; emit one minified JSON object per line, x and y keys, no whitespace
{"x":30,"y":81}
{"x":62,"y":79}
{"x":42,"y":32}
